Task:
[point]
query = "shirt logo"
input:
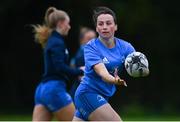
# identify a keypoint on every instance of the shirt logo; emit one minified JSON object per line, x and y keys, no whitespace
{"x":100,"y":98}
{"x":66,"y":52}
{"x":82,"y":111}
{"x":105,"y":61}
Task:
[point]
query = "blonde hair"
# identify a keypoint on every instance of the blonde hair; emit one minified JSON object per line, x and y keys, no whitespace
{"x":42,"y":32}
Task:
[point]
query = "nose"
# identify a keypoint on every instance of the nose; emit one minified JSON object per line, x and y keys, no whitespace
{"x":104,"y":27}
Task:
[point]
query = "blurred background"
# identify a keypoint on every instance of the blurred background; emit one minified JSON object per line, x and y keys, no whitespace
{"x":151,"y":26}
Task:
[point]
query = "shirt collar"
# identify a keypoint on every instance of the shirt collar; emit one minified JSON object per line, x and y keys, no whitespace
{"x":56,"y":34}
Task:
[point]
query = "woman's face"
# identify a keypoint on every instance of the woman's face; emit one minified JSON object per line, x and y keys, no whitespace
{"x":106,"y":26}
{"x":64,"y":26}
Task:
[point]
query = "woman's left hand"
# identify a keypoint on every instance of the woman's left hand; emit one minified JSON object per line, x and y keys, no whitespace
{"x":118,"y":80}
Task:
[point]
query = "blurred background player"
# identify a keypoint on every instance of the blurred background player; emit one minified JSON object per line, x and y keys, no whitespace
{"x":86,"y":34}
{"x":51,"y":97}
{"x":104,"y":56}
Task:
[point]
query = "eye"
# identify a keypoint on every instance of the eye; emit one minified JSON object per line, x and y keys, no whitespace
{"x":100,"y":23}
{"x":109,"y":23}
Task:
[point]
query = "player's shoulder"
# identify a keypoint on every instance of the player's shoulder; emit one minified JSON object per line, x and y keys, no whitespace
{"x":125,"y":46}
{"x":55,"y":41}
{"x":122,"y":42}
{"x":91,"y":43}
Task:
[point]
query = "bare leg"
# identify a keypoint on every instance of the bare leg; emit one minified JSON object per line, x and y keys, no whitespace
{"x":66,"y":113}
{"x":40,"y":113}
{"x":104,"y":113}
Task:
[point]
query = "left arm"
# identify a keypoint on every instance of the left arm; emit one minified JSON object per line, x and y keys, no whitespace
{"x":101,"y":70}
{"x":58,"y":60}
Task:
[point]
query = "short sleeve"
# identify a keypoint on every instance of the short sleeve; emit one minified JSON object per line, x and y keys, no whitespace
{"x":91,"y":56}
{"x":129,"y":49}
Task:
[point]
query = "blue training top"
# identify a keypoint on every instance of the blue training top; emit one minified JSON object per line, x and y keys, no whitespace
{"x":96,"y":52}
{"x":78,"y":59}
{"x":56,"y":63}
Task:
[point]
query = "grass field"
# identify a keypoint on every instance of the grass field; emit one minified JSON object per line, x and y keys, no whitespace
{"x":130,"y":113}
{"x":27,"y":117}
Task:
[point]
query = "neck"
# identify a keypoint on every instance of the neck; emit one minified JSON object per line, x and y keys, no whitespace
{"x":110,"y":43}
{"x":59,"y":30}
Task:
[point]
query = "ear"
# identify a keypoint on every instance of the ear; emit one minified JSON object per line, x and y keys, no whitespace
{"x":96,"y":29}
{"x":116,"y":27}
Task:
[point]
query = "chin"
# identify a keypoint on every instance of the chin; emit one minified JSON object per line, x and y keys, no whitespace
{"x":65,"y":34}
{"x":106,"y":37}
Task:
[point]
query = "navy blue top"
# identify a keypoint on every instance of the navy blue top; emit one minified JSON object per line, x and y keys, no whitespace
{"x":56,"y":63}
{"x":78,"y":60}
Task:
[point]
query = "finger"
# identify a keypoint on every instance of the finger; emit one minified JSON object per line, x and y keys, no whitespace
{"x":125,"y":84}
{"x":122,"y":82}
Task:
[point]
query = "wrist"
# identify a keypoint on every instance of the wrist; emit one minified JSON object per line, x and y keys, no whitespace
{"x":116,"y":80}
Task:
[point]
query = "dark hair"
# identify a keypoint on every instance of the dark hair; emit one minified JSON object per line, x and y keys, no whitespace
{"x":103,"y":10}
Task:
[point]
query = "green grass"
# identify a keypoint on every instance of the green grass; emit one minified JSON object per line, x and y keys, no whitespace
{"x":21,"y":117}
{"x":151,"y":118}
{"x":136,"y":112}
{"x":15,"y":117}
{"x":132,"y":112}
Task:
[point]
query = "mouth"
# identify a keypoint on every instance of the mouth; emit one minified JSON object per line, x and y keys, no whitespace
{"x":105,"y":32}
